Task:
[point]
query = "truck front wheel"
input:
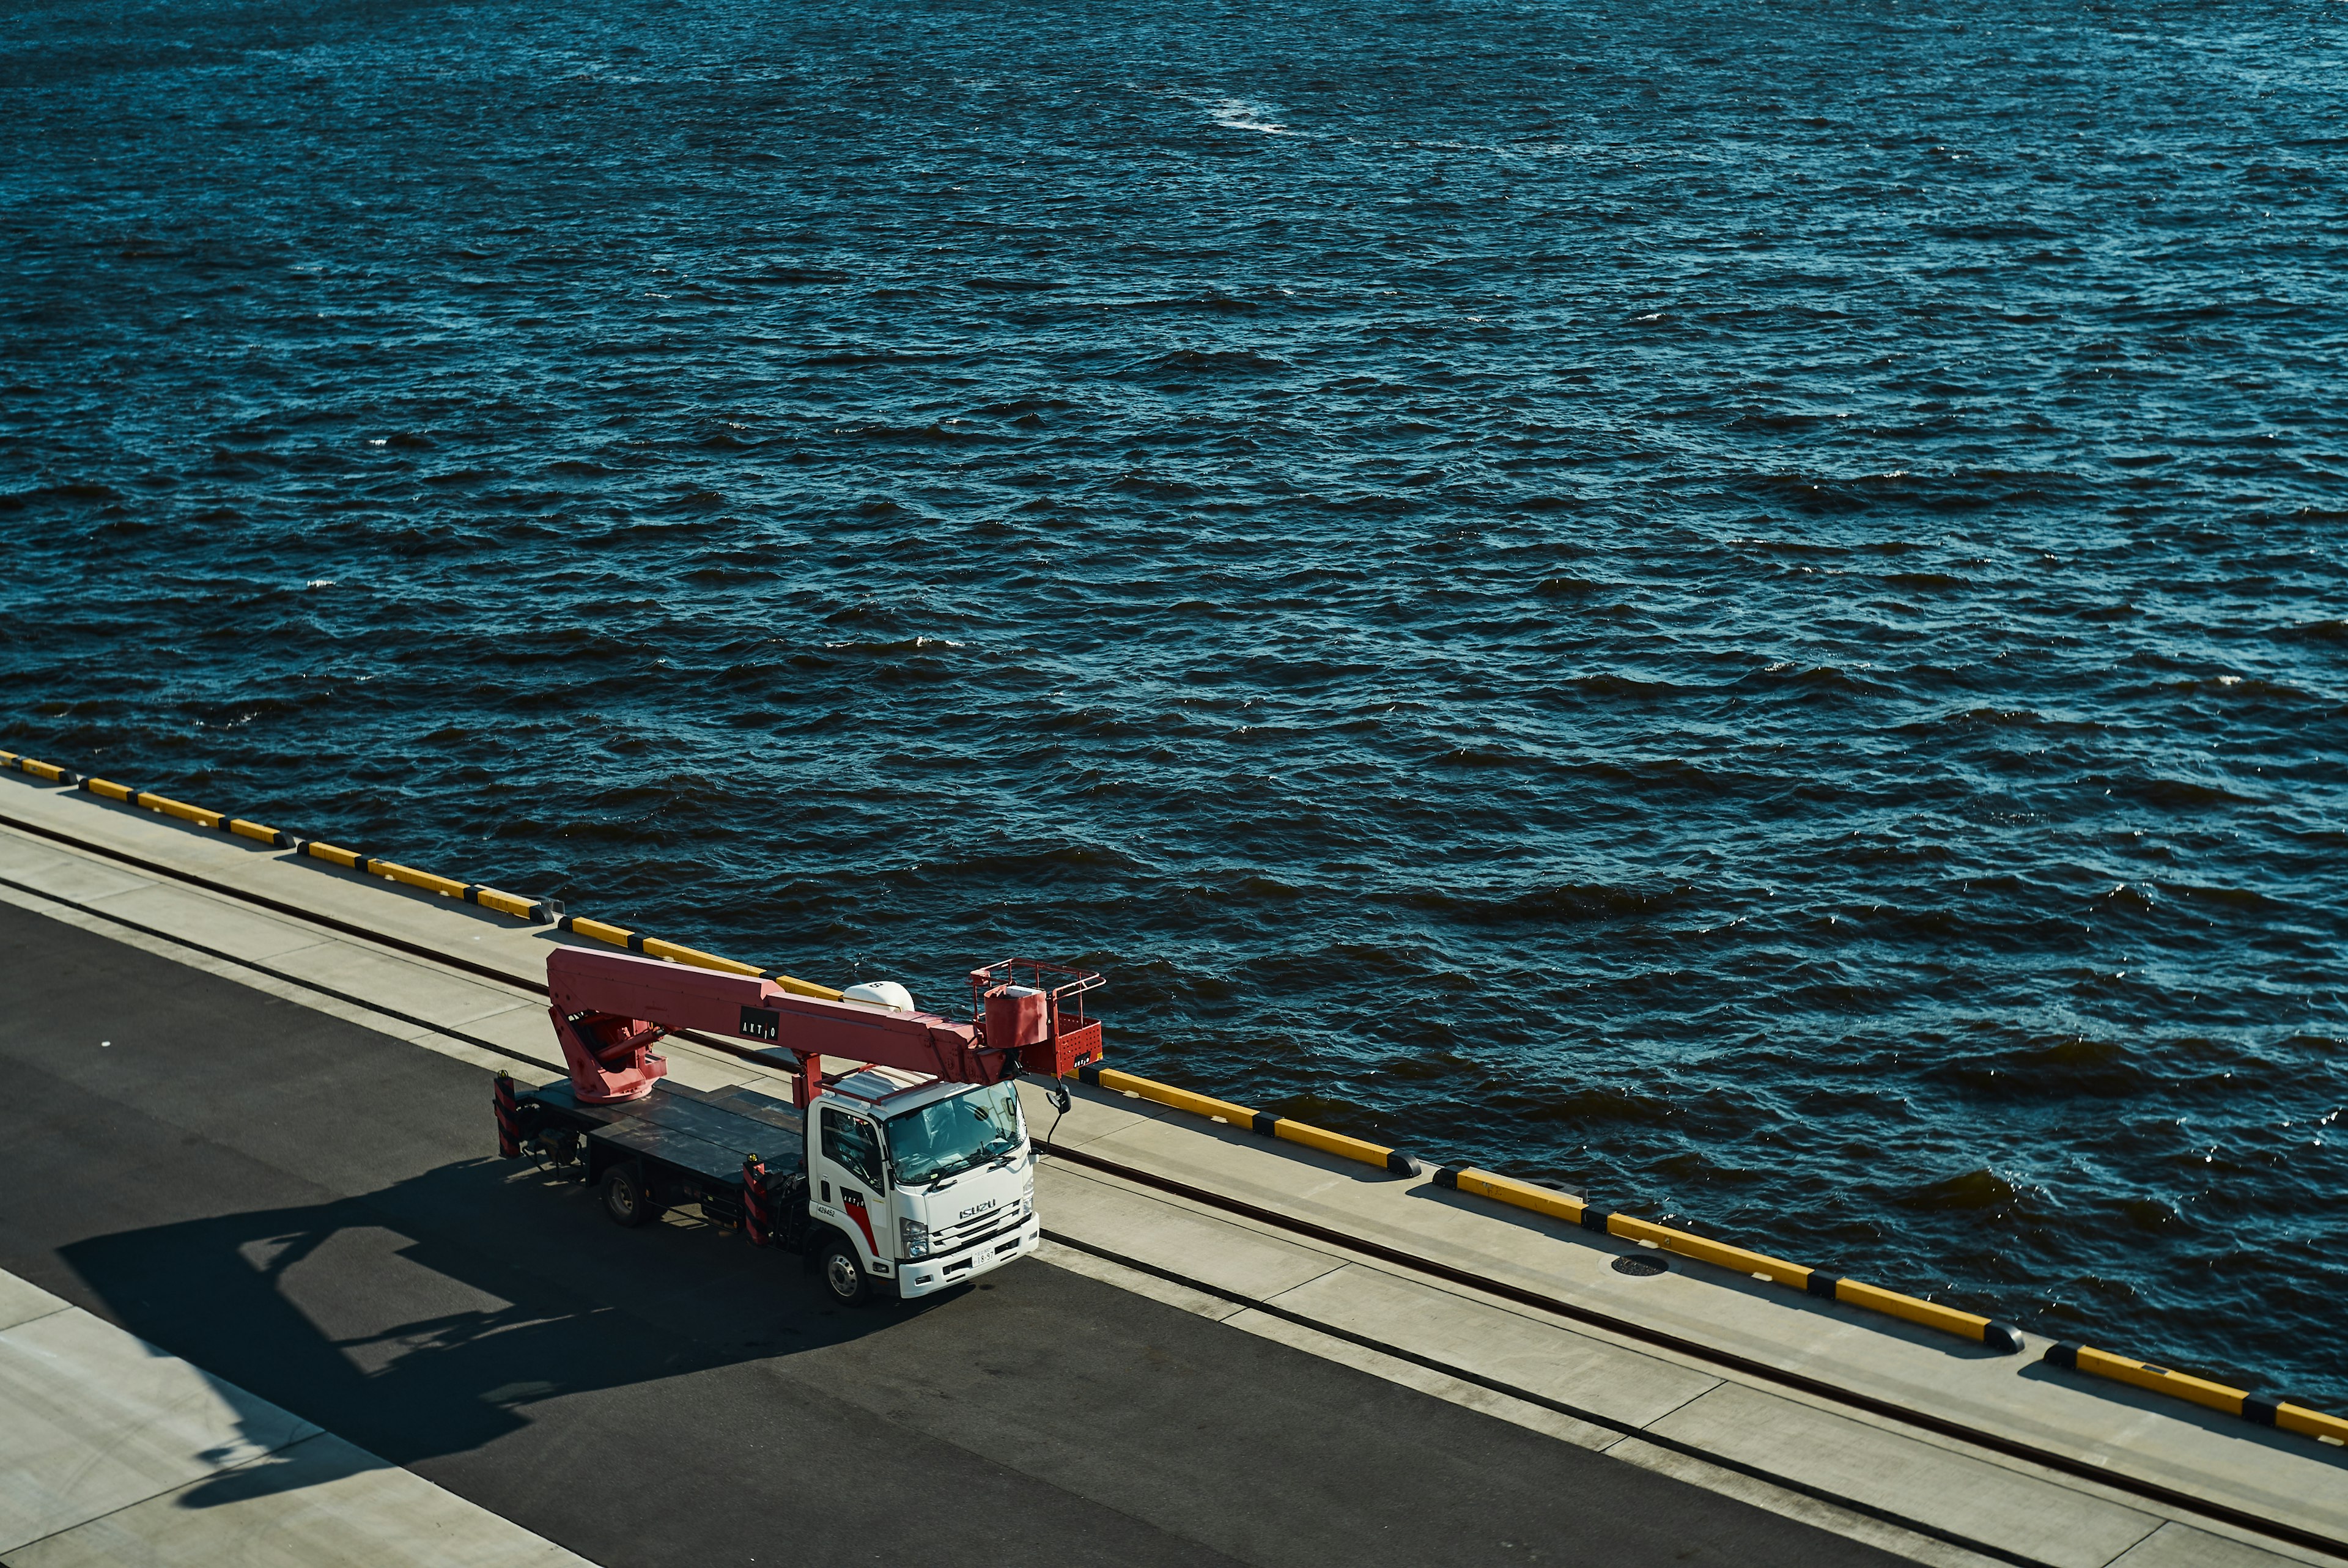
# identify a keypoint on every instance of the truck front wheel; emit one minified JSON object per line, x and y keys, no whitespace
{"x":843,"y":1275}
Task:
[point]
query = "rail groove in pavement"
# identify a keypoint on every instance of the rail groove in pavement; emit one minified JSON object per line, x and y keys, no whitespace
{"x":1694,"y":1349}
{"x":1628,"y":1329}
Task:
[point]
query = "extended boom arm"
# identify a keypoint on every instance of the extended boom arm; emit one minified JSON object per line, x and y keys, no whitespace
{"x":610,"y":1010}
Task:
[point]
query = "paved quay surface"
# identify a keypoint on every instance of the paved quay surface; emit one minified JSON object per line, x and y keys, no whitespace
{"x":114,"y":1452}
{"x":1921,"y":1494}
{"x":302,"y":1207}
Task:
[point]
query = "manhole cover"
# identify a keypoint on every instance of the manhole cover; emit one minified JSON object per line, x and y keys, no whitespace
{"x":1639,"y":1263}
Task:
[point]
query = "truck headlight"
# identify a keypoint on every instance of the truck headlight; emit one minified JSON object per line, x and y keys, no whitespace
{"x":913,"y":1237}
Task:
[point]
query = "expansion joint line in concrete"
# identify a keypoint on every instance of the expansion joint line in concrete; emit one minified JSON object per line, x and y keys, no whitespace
{"x":2151,"y":1492}
{"x":264,"y":1457}
{"x":1559,"y":1406}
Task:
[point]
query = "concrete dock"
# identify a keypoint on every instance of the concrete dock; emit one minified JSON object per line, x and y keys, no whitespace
{"x":115,"y":1451}
{"x":1231,"y":1350}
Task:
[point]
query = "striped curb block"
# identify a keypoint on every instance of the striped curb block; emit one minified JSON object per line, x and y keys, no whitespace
{"x":2283,"y":1415}
{"x":2000,"y":1336}
{"x":536,"y":911}
{"x":2003,"y":1338}
{"x":1261,"y":1121}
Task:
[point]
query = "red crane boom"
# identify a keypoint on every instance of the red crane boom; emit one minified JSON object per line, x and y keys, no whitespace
{"x":610,"y":1010}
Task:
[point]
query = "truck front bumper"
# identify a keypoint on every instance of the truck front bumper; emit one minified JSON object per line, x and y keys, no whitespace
{"x":922,"y":1275}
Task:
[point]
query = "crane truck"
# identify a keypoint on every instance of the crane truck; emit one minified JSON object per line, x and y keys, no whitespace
{"x":900,"y":1164}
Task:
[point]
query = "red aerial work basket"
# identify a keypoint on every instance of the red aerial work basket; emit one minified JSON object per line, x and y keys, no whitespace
{"x":1038,"y":1010}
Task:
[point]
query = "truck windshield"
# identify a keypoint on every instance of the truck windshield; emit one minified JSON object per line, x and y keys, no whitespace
{"x":948,"y":1136}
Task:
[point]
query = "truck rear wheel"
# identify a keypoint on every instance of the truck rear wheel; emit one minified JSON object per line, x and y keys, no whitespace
{"x":843,"y":1277}
{"x":624,"y":1198}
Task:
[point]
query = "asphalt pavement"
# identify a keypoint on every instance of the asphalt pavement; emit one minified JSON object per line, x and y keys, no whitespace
{"x":314,"y":1212}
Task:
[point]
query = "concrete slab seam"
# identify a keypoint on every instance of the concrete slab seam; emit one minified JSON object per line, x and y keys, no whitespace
{"x":1376,"y":1363}
{"x":37,"y":1317}
{"x":1647,"y":1455}
{"x":281,"y":1450}
{"x":1558,"y":1407}
{"x":242,"y":1408}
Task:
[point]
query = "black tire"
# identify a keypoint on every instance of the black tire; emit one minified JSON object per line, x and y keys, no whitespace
{"x":844,"y":1279}
{"x":624,"y":1198}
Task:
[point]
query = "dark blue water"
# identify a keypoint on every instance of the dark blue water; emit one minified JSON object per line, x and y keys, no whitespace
{"x":1740,"y":607}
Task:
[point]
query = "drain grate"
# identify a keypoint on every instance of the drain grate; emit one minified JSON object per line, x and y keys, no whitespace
{"x":1637,"y":1262}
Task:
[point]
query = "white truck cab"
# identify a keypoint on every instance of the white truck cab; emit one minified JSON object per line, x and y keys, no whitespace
{"x":925,"y":1185}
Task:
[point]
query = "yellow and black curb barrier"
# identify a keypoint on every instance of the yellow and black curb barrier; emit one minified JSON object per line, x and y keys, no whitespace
{"x":536,"y":911}
{"x":677,"y":952}
{"x":2003,"y":1338}
{"x":1260,"y":1121}
{"x":2283,"y":1414}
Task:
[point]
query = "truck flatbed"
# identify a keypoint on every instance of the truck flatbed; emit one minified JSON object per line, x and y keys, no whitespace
{"x":706,"y":1134}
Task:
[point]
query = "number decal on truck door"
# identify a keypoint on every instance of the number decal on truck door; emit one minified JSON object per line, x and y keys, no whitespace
{"x":854,"y":1203}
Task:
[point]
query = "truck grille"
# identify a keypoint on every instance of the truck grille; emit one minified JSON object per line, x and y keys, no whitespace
{"x":977,"y":1228}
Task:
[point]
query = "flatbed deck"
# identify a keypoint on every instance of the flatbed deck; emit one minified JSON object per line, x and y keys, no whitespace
{"x":707,"y":1132}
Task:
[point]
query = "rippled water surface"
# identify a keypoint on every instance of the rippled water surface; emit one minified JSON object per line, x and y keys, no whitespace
{"x":1739,"y":607}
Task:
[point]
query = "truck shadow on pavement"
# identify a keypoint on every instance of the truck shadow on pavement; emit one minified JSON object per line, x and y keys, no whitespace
{"x":427,"y":1317}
